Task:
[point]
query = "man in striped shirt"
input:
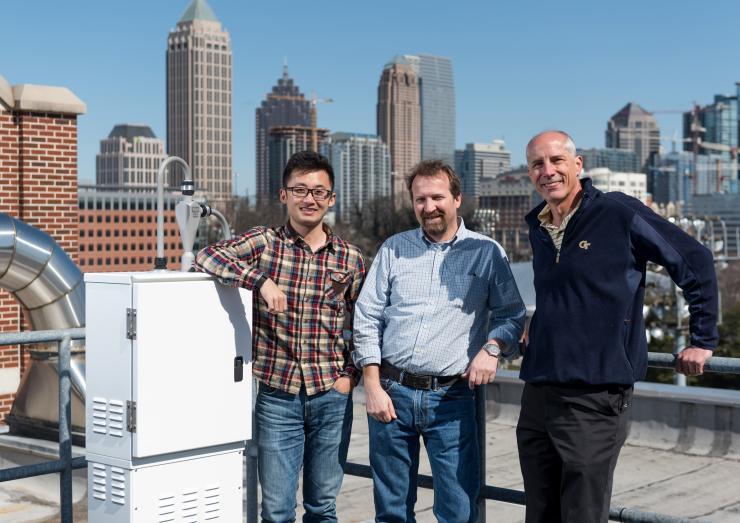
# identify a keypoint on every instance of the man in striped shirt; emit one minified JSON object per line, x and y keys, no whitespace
{"x":306,"y":281}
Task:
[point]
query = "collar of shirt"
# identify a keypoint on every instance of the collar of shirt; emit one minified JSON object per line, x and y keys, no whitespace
{"x":545,"y":217}
{"x":461,"y":234}
{"x":291,"y":237}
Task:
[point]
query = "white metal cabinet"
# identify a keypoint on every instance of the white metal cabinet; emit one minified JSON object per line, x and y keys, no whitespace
{"x":165,"y":351}
{"x":200,"y":488}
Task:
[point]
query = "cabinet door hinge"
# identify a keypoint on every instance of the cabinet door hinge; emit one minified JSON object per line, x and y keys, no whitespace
{"x":131,"y":416}
{"x":131,"y":324}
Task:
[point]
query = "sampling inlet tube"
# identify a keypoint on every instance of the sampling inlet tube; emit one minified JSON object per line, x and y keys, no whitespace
{"x":160,"y":262}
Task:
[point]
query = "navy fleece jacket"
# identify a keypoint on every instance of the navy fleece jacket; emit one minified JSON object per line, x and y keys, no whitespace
{"x":588,"y":327}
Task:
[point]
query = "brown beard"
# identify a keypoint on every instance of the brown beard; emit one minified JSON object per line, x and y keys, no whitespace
{"x":437,"y":228}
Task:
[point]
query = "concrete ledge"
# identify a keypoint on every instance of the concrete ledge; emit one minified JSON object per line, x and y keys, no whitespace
{"x":690,"y":420}
{"x":6,"y":94}
{"x":47,"y":99}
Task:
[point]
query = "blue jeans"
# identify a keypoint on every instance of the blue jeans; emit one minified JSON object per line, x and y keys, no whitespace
{"x":300,"y":430}
{"x":445,"y":419}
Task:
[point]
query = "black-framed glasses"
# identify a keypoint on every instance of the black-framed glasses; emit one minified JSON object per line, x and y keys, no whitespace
{"x":318,"y":194}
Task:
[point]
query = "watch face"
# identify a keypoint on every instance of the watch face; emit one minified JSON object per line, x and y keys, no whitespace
{"x":492,"y":349}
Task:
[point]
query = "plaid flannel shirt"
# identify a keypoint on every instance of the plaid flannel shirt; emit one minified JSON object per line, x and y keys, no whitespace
{"x":309,"y":343}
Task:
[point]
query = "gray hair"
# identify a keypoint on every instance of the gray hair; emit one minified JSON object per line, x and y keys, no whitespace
{"x":570,"y":145}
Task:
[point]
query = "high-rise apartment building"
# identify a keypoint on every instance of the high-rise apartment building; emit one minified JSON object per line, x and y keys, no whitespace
{"x":362,"y":170}
{"x":717,"y":126}
{"x":399,"y":120}
{"x":633,"y":128}
{"x":199,"y":100}
{"x":479,"y":161}
{"x":679,"y":176}
{"x":284,"y":106}
{"x":437,"y":100}
{"x":129,"y":157}
{"x":282,"y":143}
{"x":618,"y":160}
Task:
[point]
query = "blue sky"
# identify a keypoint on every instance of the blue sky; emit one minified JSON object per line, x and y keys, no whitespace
{"x":520,"y":66}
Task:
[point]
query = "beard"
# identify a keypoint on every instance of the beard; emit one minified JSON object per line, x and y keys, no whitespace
{"x":436,"y":227}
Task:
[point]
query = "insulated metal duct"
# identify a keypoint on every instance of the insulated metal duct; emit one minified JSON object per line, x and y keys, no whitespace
{"x":43,"y":278}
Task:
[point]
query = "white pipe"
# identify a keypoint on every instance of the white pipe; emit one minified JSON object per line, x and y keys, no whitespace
{"x":225,"y":229}
{"x":160,"y":262}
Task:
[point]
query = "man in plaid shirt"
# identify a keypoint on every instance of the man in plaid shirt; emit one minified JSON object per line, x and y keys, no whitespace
{"x":306,"y":281}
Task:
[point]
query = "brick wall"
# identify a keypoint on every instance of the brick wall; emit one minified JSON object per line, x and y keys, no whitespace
{"x":38,"y":184}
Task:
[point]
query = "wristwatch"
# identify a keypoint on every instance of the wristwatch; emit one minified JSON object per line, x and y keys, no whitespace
{"x":492,"y":349}
{"x":260,"y":281}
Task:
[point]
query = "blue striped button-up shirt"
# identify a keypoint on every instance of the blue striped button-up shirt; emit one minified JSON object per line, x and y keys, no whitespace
{"x":428,"y":308}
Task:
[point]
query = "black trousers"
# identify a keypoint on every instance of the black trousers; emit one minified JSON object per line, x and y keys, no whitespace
{"x":569,"y":440}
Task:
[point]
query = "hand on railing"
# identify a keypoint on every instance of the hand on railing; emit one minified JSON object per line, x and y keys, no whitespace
{"x":691,"y":360}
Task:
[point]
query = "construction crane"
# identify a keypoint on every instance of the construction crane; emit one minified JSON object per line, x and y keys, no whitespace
{"x":314,"y":131}
{"x":721,"y":148}
{"x":696,"y":130}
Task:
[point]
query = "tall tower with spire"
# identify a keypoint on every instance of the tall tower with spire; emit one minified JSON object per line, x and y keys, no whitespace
{"x":284,"y":106}
{"x":199,"y":100}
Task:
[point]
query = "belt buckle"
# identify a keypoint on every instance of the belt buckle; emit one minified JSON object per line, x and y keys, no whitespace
{"x":418,"y":382}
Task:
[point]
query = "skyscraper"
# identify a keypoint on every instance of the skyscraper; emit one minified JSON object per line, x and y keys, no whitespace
{"x":199,"y":100}
{"x":718,"y":125}
{"x":679,"y":176}
{"x":437,"y":99}
{"x":634,"y":129}
{"x":284,"y":106}
{"x":399,"y":120}
{"x":282,"y":143}
{"x":480,"y":161}
{"x":362,"y":170}
{"x":130,"y":156}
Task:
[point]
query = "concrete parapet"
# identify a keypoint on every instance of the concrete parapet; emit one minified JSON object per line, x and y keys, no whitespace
{"x":690,"y":420}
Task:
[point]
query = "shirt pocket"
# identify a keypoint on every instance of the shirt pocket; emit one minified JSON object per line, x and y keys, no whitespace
{"x":333,"y":307}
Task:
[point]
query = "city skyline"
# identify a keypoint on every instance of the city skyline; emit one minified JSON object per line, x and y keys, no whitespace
{"x":508,"y":83}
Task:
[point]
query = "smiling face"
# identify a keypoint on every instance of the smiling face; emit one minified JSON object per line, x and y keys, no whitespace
{"x":307,"y":213}
{"x":435,"y":207}
{"x":554,"y":168}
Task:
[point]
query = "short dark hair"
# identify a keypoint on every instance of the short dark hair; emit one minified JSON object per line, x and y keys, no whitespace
{"x":307,"y":161}
{"x":433,"y":168}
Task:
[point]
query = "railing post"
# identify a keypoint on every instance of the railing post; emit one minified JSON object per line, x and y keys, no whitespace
{"x":480,"y":416}
{"x":65,"y":440}
{"x":251,"y":481}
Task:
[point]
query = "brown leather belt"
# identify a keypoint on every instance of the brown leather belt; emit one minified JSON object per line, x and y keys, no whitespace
{"x":416,"y":381}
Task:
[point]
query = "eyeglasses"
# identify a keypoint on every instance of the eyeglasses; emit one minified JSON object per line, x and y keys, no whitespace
{"x":318,"y":193}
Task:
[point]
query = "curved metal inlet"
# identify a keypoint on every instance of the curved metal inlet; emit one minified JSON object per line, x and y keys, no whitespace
{"x":44,"y":280}
{"x":41,"y":276}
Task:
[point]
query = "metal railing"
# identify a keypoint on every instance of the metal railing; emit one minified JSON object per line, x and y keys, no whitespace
{"x":517,"y":497}
{"x":66,"y":464}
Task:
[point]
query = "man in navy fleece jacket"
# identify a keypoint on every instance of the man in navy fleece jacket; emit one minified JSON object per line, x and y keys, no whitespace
{"x":586,"y":344}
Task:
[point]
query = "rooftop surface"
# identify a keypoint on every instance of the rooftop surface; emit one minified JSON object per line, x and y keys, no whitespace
{"x":681,"y":485}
